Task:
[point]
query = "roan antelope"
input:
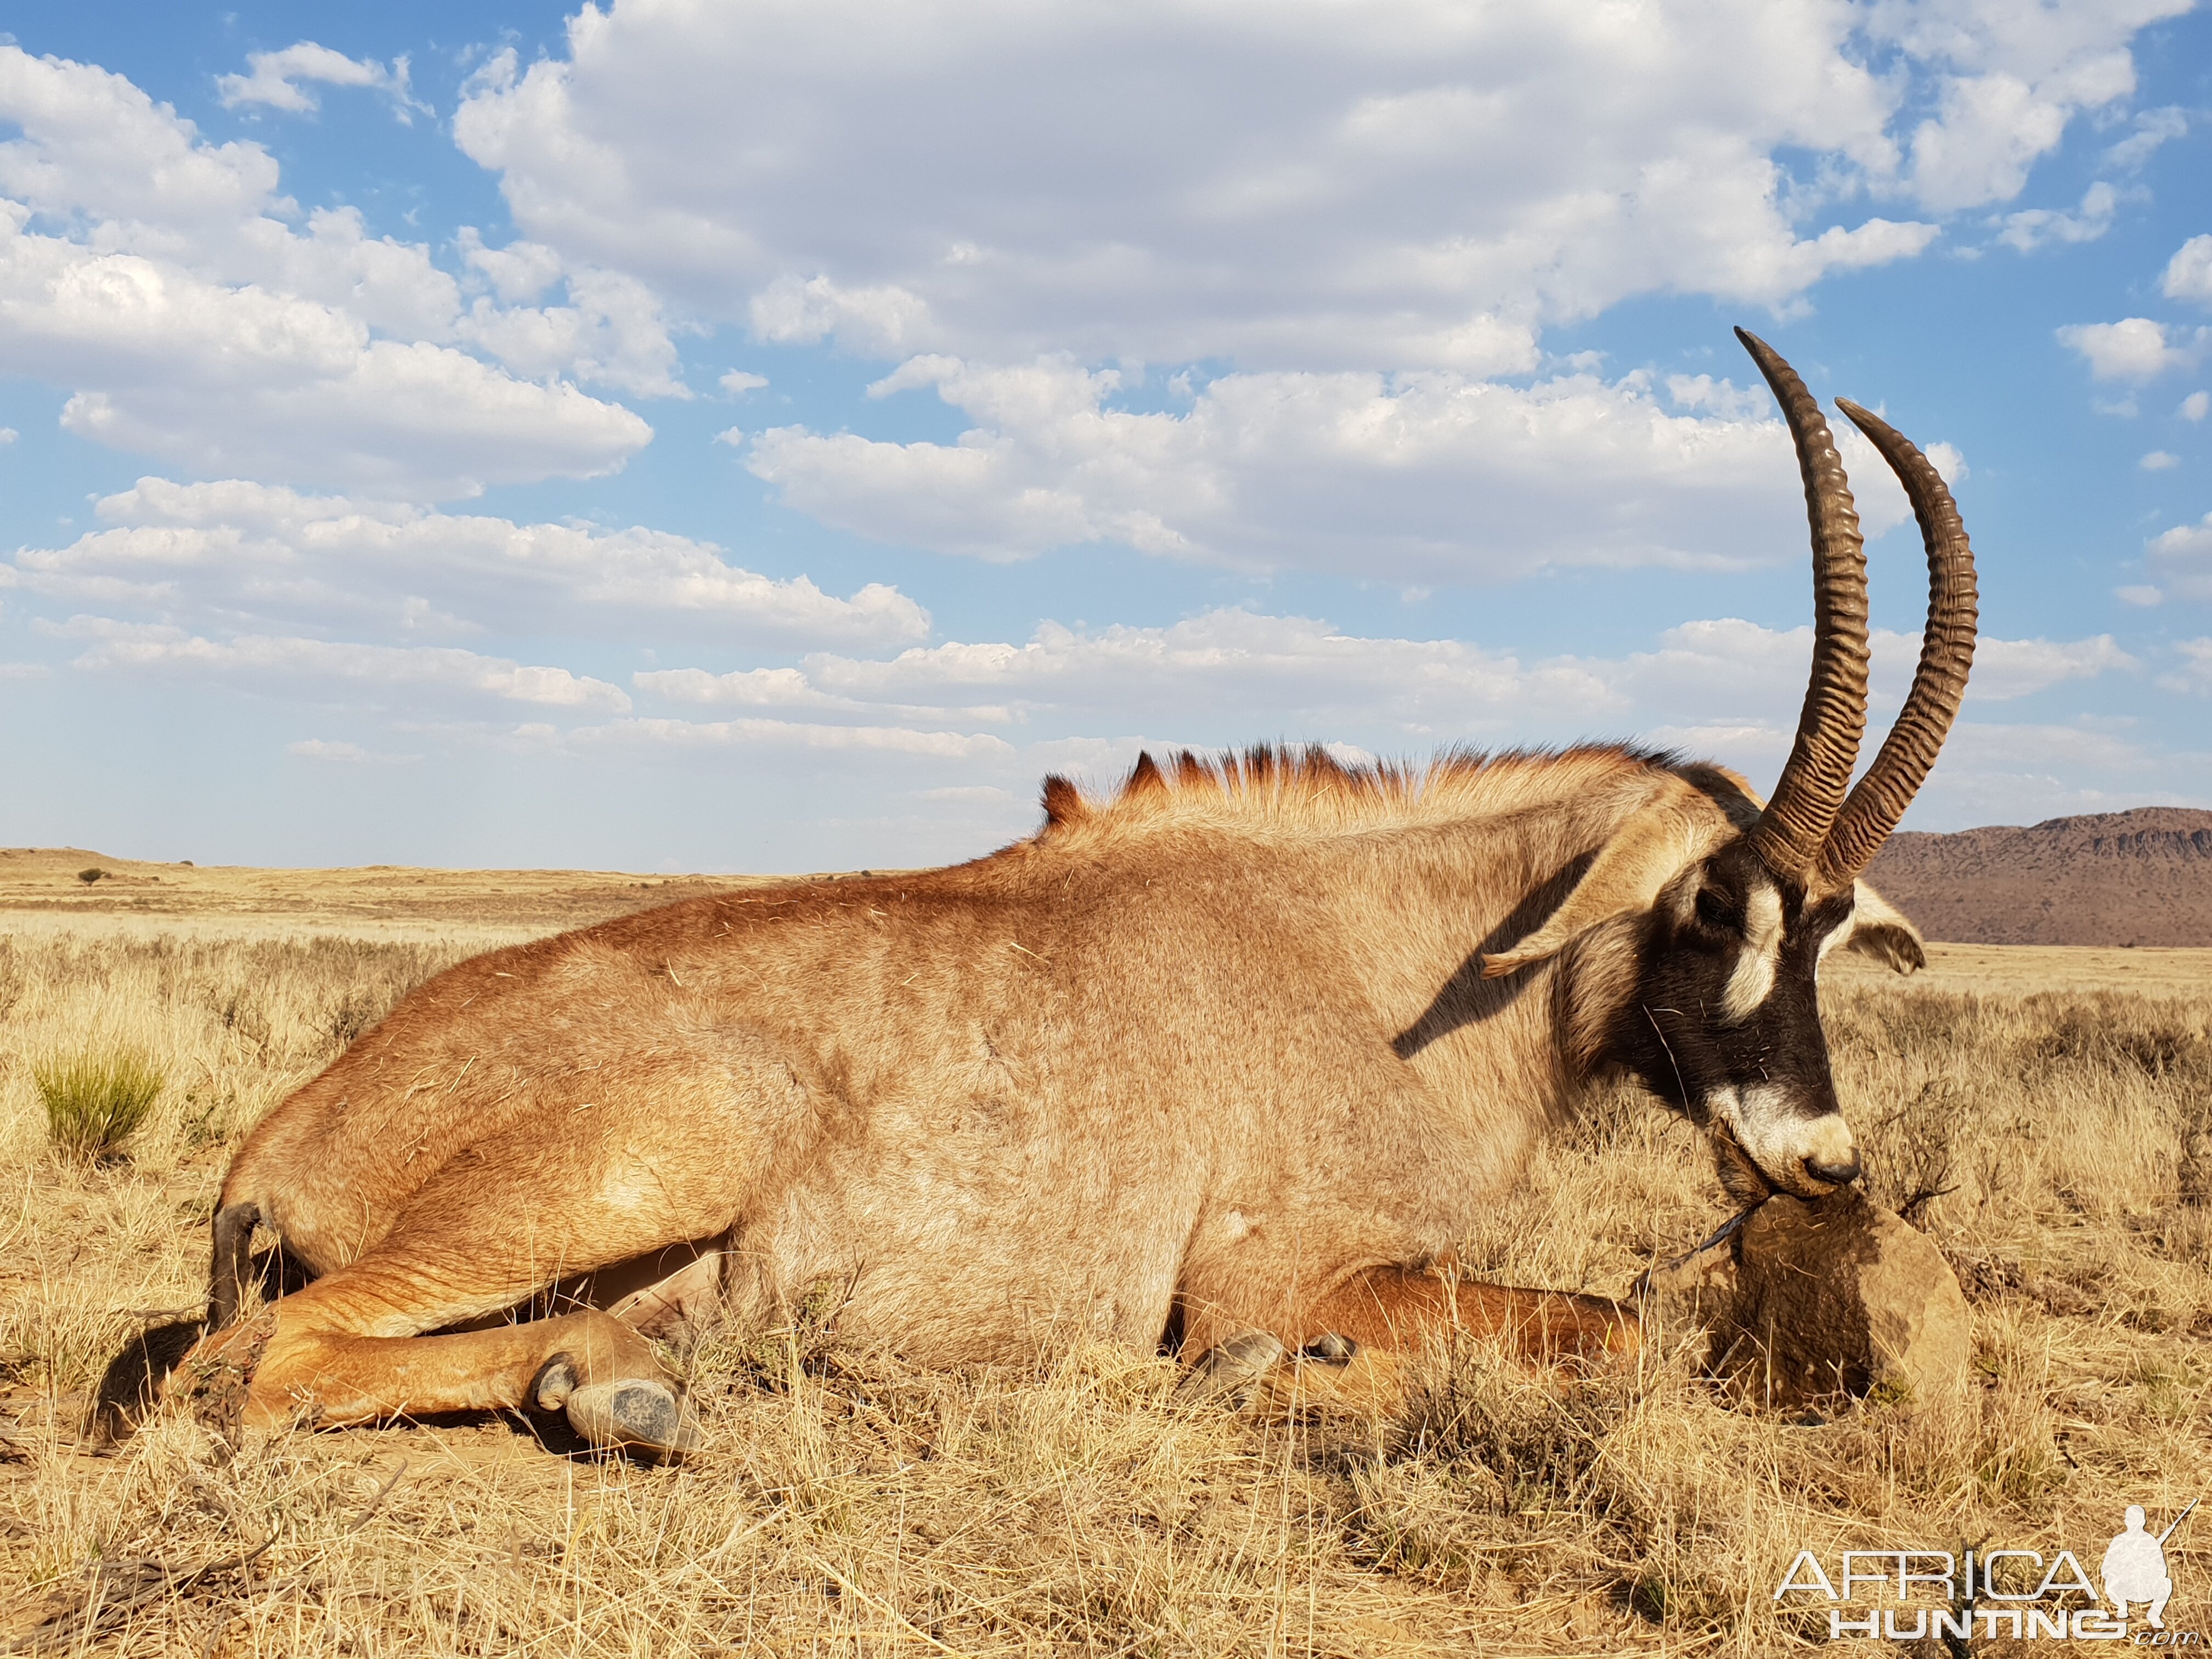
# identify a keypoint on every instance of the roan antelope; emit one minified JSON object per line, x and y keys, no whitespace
{"x":1226,"y":1063}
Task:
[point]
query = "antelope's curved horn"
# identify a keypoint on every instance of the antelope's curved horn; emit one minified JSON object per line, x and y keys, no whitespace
{"x":1947,"y":652}
{"x":1792,"y":833}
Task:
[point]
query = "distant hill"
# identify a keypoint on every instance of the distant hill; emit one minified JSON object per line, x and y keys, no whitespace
{"x":2139,"y":877}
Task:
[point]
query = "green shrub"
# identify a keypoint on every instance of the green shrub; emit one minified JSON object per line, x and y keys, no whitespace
{"x":94,"y":1101}
{"x":89,"y":877}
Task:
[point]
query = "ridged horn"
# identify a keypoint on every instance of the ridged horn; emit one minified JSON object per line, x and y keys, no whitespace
{"x":1794,"y":830}
{"x":1947,"y":652}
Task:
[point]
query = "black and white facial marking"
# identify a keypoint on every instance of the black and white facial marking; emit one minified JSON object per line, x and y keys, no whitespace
{"x":1725,"y":1025}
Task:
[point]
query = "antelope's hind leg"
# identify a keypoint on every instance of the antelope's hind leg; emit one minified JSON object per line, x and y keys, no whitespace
{"x":1400,"y":1309}
{"x":498,"y":1224}
{"x":1351,"y":1345}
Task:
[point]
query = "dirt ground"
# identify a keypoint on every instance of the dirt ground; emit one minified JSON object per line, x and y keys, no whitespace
{"x":2057,"y":1103}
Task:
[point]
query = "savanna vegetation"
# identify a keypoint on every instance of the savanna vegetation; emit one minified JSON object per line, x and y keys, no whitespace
{"x":2056,"y":1141}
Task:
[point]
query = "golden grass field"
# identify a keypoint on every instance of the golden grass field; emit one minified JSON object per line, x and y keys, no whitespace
{"x":2060,"y":1100}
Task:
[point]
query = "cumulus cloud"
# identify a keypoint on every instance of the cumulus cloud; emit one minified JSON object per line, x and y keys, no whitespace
{"x":155,"y":277}
{"x":352,"y":754}
{"x":789,"y":735}
{"x":2153,"y":127}
{"x":1300,"y":677}
{"x":280,"y":79}
{"x":1314,"y":188}
{"x":2005,"y":669}
{"x":330,"y":669}
{"x":1417,"y":477}
{"x":2034,"y":227}
{"x":2182,"y":558}
{"x":2135,"y":348}
{"x":2195,"y":674}
{"x":2195,"y":406}
{"x":1238,"y":665}
{"x":2160,"y":460}
{"x":2189,"y":273}
{"x":611,"y":331}
{"x":239,"y":550}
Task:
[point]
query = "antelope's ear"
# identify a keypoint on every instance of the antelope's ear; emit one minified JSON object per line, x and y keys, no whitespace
{"x":1880,"y":930}
{"x":1646,"y":852}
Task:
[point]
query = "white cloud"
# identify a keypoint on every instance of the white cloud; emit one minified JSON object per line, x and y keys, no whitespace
{"x":1411,"y":478}
{"x":2195,"y":406}
{"x":1308,"y":188}
{"x":2005,"y":669}
{"x":611,"y":331}
{"x":768,"y":734}
{"x":239,"y":551}
{"x":1224,"y":675}
{"x":1238,"y":665}
{"x":2189,"y":273}
{"x":1720,"y":398}
{"x":737,"y":382}
{"x":2139,"y":593}
{"x":2034,"y":227}
{"x":353,"y":754}
{"x":334,"y":670}
{"x":2159,"y":460}
{"x":2196,"y":671}
{"x":2153,"y":127}
{"x":2133,"y":349}
{"x":1730,"y":667}
{"x":275,"y":79}
{"x":518,"y":273}
{"x":2182,"y":558}
{"x":9,"y":434}
{"x":159,"y":278}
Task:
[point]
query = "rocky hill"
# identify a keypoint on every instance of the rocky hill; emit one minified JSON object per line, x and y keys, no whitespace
{"x":2139,"y":877}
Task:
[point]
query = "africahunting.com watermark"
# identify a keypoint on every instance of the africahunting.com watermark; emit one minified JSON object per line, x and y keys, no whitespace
{"x":1987,"y":1593}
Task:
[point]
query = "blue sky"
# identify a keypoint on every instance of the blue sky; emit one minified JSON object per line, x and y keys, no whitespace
{"x":757,"y":437}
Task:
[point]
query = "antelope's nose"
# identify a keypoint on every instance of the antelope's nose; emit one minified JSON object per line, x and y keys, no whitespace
{"x":1833,"y":1175}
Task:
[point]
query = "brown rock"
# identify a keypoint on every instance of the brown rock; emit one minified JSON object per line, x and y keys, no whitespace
{"x":1812,"y":1299}
{"x":1697,"y":1291}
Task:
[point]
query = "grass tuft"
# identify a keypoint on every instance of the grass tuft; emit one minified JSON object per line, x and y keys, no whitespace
{"x":95,"y":1102}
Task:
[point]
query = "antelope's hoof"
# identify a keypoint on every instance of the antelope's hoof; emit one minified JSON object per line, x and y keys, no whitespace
{"x":1230,"y":1367}
{"x":631,"y":1412}
{"x":554,"y":1381}
{"x":1330,"y":1349}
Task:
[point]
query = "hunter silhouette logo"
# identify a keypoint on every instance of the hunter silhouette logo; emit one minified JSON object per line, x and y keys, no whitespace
{"x":1989,"y":1592}
{"x":2134,"y":1567}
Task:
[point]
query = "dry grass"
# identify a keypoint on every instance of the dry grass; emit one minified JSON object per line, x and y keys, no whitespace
{"x":2054,"y":1141}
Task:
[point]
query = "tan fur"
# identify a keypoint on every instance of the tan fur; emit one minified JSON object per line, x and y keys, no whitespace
{"x":1207,"y":1053}
{"x":1673,"y":832}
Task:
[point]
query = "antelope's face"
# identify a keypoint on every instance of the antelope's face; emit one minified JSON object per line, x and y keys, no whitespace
{"x":1728,"y":931}
{"x":1728,"y":1010}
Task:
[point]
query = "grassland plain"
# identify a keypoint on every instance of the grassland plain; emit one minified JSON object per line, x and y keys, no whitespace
{"x":2044,"y":1115}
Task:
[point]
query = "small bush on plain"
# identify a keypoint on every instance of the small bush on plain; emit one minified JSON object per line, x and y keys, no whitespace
{"x":94,"y":1102}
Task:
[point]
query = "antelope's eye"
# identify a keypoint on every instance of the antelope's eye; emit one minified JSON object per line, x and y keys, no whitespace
{"x":1714,"y":909}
